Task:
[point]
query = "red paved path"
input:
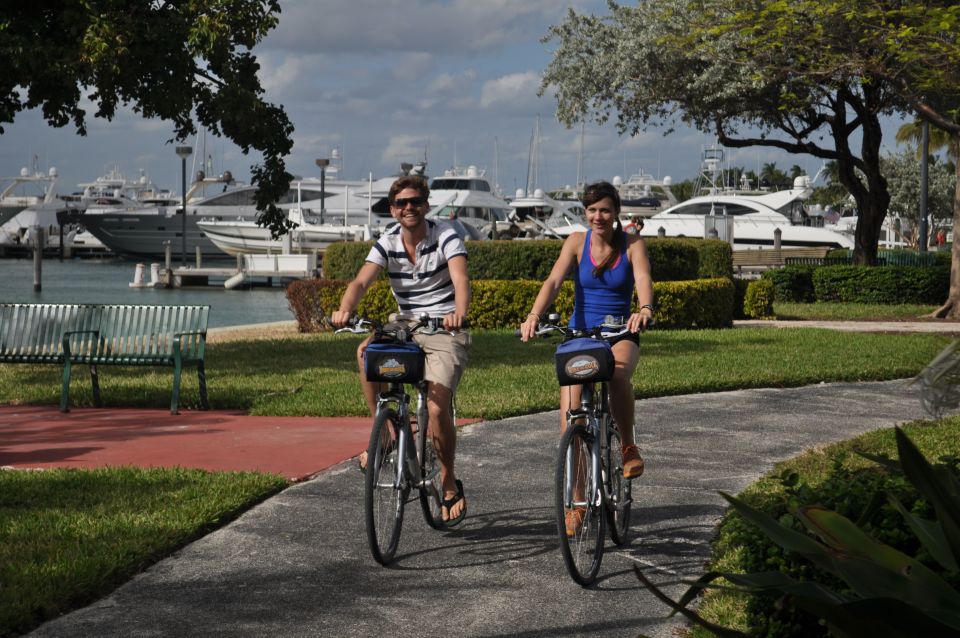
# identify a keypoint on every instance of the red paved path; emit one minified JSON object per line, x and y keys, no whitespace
{"x":294,"y":447}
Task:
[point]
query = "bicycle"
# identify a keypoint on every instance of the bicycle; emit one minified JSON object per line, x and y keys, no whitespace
{"x":398,"y":460}
{"x":589,"y":474}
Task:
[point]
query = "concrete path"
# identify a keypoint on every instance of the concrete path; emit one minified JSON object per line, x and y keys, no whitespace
{"x":298,"y":565}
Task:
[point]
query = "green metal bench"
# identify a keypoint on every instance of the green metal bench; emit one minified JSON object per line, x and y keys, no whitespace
{"x":99,"y":334}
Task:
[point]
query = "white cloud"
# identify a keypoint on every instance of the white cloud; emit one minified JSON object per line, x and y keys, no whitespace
{"x":512,"y":91}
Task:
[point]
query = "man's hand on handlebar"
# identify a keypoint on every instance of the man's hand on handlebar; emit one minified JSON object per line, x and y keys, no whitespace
{"x":454,"y":321}
{"x":340,"y":318}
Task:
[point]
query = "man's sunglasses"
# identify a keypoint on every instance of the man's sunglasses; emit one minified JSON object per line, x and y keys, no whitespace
{"x":401,"y":202}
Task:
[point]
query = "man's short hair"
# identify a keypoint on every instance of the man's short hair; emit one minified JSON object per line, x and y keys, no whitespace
{"x":415,"y":182}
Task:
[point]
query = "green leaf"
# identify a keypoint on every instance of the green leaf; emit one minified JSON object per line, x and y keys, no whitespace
{"x":690,"y":615}
{"x":930,"y":534}
{"x":940,"y":488}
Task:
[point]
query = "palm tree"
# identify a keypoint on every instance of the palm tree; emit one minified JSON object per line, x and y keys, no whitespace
{"x":912,"y":132}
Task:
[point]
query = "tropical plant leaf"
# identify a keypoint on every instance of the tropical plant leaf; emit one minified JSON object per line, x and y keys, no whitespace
{"x":930,"y":534}
{"x":891,"y":465}
{"x":940,"y":488}
{"x":875,"y":570}
{"x":689,"y":614}
{"x":783,"y":536}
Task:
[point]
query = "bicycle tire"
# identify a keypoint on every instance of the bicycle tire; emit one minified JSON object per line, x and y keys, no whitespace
{"x":431,"y":492}
{"x":617,"y":488}
{"x":583,"y":552}
{"x":383,"y":501}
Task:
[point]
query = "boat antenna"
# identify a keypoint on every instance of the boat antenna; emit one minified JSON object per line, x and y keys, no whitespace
{"x":580,"y":158}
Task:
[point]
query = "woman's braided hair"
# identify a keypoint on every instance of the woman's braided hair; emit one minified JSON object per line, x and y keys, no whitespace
{"x":593,"y":194}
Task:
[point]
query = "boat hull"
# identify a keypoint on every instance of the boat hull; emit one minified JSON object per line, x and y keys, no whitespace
{"x":246,"y":238}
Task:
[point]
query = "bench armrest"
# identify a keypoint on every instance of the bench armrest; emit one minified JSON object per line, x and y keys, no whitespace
{"x":201,"y":350}
{"x":67,"y":335}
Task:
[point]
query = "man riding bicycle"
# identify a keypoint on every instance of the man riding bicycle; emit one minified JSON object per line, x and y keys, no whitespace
{"x":426,"y":263}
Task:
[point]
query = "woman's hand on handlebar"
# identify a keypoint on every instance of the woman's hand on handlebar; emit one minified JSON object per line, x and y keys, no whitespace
{"x":640,"y":321}
{"x":528,"y":329}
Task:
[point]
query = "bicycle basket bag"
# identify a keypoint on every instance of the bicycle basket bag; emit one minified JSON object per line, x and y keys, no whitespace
{"x":393,"y":362}
{"x":584,"y":360}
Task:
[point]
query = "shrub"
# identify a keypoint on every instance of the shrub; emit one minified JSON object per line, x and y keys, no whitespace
{"x":670,"y":259}
{"x":882,"y":284}
{"x":758,"y":299}
{"x":701,"y":303}
{"x":791,"y":283}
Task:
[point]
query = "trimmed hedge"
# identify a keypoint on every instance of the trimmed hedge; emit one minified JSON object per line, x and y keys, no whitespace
{"x":670,"y":259}
{"x":860,"y":284}
{"x":758,"y":300}
{"x":882,"y":284}
{"x":699,"y":303}
{"x":791,"y":283}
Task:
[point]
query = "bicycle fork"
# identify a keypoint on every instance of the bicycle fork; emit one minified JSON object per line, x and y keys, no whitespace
{"x":591,"y":476}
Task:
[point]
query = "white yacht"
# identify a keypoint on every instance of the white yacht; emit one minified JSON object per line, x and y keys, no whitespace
{"x":25,"y":190}
{"x":643,"y":195}
{"x":245,"y":236}
{"x":142,"y":233}
{"x":540,"y":216}
{"x":748,"y":221}
{"x":467,"y":195}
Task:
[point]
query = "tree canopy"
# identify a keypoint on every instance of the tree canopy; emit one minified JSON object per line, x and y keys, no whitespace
{"x":803,"y":76}
{"x":185,"y":61}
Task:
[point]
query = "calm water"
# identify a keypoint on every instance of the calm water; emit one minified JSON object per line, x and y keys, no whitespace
{"x":107,"y":281}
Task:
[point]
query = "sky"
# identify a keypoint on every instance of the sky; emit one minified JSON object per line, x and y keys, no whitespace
{"x":381,"y":82}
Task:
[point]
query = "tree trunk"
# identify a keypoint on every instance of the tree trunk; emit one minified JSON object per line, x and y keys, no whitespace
{"x":868,"y":187}
{"x":951,"y":307}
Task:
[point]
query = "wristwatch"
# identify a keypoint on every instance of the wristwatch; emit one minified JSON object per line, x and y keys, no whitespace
{"x":648,"y":306}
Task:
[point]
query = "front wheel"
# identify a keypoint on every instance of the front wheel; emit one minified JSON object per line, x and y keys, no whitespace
{"x":582,"y":550}
{"x":385,"y":490}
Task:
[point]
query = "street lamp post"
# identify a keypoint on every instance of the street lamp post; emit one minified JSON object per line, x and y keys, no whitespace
{"x":183,"y":152}
{"x":323,"y":164}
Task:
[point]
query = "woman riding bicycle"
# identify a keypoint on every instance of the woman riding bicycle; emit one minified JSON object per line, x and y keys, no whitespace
{"x":609,"y":265}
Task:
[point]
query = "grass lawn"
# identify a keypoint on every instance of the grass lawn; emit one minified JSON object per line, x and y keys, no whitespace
{"x":852,"y":311}
{"x":70,"y":535}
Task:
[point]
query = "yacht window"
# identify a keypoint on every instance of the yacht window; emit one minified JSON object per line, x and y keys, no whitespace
{"x":307,"y":195}
{"x":233,"y":198}
{"x":479,"y":185}
{"x":693,"y":209}
{"x":737,"y":209}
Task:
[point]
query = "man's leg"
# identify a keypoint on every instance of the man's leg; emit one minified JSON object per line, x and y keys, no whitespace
{"x":371,"y":391}
{"x":443,"y":431}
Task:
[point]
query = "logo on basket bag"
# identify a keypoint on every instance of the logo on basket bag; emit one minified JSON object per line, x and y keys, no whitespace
{"x":391,"y":369}
{"x":582,"y":367}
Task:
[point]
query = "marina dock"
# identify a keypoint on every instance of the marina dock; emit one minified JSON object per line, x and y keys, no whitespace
{"x":249,"y":270}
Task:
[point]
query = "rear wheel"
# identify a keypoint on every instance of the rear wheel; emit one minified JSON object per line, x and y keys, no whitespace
{"x":583,"y":550}
{"x":383,"y":497}
{"x":618,"y":507}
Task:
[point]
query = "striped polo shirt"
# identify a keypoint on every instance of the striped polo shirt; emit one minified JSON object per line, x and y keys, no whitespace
{"x":424,"y":286}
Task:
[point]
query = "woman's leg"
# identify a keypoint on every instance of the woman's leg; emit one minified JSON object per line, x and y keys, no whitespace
{"x":626,"y":355}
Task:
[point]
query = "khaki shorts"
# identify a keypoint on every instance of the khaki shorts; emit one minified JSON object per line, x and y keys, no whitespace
{"x":446,"y":357}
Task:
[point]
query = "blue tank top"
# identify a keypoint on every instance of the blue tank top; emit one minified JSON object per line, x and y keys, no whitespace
{"x":609,"y":294}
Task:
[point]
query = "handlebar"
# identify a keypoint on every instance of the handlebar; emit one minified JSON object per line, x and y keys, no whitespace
{"x":611,"y":327}
{"x":424,"y":325}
